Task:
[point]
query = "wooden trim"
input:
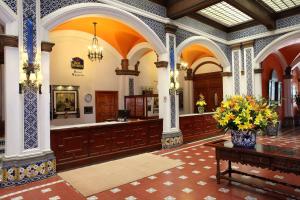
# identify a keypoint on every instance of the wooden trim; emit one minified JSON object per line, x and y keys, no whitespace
{"x":170,"y":28}
{"x":204,"y":63}
{"x":47,"y":46}
{"x":248,"y":44}
{"x":224,"y":74}
{"x":242,"y":72}
{"x":208,"y":21}
{"x":127,"y":72}
{"x":8,"y":41}
{"x":182,"y":8}
{"x":235,"y":46}
{"x":258,"y":71}
{"x":161,"y":64}
{"x":256,"y":11}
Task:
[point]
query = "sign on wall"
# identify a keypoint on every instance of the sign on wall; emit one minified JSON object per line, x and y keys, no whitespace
{"x":78,"y":65}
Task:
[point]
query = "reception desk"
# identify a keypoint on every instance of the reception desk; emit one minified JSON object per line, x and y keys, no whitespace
{"x":78,"y":145}
{"x":198,"y":126}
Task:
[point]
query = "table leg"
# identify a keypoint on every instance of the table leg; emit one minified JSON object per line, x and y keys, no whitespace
{"x":218,"y":171}
{"x":229,"y":170}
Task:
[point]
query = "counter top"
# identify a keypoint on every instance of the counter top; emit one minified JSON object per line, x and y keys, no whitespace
{"x":197,"y":114}
{"x":53,"y":127}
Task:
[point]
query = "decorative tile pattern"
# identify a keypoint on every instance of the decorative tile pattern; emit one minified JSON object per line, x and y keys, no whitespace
{"x":131,"y":86}
{"x":249,"y":69}
{"x":12,"y":4}
{"x":172,"y":63}
{"x":171,"y":140}
{"x":247,"y":32}
{"x":25,"y":171}
{"x":182,"y":35}
{"x":202,"y":26}
{"x":48,"y":7}
{"x":157,"y":27}
{"x":236,"y":71}
{"x":30,"y":119}
{"x":227,"y":51}
{"x":30,"y":95}
{"x":288,"y":21}
{"x":261,"y":43}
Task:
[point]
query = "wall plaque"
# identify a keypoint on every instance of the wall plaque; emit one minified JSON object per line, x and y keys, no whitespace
{"x":77,"y":63}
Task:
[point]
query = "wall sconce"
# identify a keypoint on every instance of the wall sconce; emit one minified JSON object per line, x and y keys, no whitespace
{"x":183,"y":66}
{"x":30,"y":77}
{"x":30,"y":64}
{"x":174,"y":84}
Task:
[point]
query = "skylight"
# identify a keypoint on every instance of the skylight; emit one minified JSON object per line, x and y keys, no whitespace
{"x":280,"y":5}
{"x":225,"y":14}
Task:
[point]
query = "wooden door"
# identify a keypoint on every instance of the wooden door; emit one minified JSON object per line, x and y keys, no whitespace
{"x":211,"y":86}
{"x":106,"y":105}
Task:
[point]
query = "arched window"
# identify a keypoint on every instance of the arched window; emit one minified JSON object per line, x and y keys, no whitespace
{"x":275,"y":89}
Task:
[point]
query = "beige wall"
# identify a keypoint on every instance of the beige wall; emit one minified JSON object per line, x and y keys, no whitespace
{"x":96,"y":75}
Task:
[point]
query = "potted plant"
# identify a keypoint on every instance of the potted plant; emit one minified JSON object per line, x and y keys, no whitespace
{"x":272,"y":128}
{"x":201,"y":103}
{"x":244,"y":117}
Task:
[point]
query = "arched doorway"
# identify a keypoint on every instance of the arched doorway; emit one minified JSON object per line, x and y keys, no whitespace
{"x":280,"y":58}
{"x":117,"y":82}
{"x":205,"y":61}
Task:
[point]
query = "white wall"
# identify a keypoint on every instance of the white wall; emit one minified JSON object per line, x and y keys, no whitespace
{"x":148,"y":76}
{"x":97,"y":75}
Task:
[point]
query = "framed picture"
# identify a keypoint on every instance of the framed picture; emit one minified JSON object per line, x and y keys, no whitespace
{"x":64,"y":102}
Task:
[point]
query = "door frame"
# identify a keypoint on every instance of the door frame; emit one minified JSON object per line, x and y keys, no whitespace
{"x":106,"y":91}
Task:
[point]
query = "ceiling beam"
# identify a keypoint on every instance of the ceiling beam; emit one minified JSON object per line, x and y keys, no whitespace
{"x":208,"y":21}
{"x":256,"y":11}
{"x":182,"y":8}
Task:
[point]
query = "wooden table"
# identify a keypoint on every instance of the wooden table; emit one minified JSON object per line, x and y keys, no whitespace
{"x":264,"y":156}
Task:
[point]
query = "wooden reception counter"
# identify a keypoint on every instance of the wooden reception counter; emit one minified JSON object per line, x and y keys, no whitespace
{"x":84,"y":144}
{"x":79,"y":145}
{"x":198,"y":126}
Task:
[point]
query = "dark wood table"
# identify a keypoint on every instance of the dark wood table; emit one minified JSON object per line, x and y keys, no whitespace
{"x":264,"y":156}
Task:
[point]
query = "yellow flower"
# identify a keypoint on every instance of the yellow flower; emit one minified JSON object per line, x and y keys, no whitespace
{"x":237,"y":121}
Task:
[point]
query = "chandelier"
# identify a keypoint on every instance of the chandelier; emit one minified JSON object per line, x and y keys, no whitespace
{"x":95,"y":51}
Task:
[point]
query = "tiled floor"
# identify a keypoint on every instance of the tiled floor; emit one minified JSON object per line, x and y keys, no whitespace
{"x":194,"y":180}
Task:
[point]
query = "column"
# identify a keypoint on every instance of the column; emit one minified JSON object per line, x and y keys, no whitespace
{"x":168,"y":103}
{"x":288,"y":99}
{"x":228,"y":86}
{"x":248,"y":52}
{"x":237,"y":68}
{"x":257,"y":85}
{"x":188,"y":92}
{"x":28,"y":156}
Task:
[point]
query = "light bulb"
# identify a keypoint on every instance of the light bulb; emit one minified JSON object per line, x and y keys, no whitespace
{"x":177,"y":86}
{"x":172,"y":85}
{"x":176,"y":73}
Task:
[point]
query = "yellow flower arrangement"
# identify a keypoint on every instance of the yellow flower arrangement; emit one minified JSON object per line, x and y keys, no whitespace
{"x":245,"y":113}
{"x":201,"y":102}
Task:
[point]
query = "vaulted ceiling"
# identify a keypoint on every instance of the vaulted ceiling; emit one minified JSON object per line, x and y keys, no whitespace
{"x":232,"y":15}
{"x":117,"y":34}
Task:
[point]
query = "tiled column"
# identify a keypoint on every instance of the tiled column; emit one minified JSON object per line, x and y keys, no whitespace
{"x":248,"y":51}
{"x":168,"y":103}
{"x":236,"y":68}
{"x":29,"y":157}
{"x":288,"y":99}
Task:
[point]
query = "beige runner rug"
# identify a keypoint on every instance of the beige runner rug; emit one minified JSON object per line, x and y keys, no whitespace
{"x":100,"y":177}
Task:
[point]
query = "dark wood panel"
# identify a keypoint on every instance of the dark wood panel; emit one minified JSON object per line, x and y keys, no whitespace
{"x":106,"y":105}
{"x":82,"y":146}
{"x":198,"y":127}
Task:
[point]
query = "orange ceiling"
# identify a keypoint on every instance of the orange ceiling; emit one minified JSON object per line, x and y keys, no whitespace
{"x":193,"y":52}
{"x":117,"y":34}
{"x":290,"y":52}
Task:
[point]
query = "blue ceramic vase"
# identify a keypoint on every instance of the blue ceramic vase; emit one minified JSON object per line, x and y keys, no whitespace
{"x":244,"y":139}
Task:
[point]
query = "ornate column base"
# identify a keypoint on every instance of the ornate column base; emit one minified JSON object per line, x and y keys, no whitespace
{"x":288,"y":122}
{"x":18,"y":171}
{"x":171,"y":140}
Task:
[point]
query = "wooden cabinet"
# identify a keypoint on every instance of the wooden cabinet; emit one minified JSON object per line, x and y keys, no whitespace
{"x":86,"y":145}
{"x":142,"y":106}
{"x":196,"y":127}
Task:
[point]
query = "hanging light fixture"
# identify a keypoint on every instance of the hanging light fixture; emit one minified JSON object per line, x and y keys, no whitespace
{"x":95,"y":50}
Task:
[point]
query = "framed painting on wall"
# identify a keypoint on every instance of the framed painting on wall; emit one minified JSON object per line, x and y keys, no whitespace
{"x":64,"y":102}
